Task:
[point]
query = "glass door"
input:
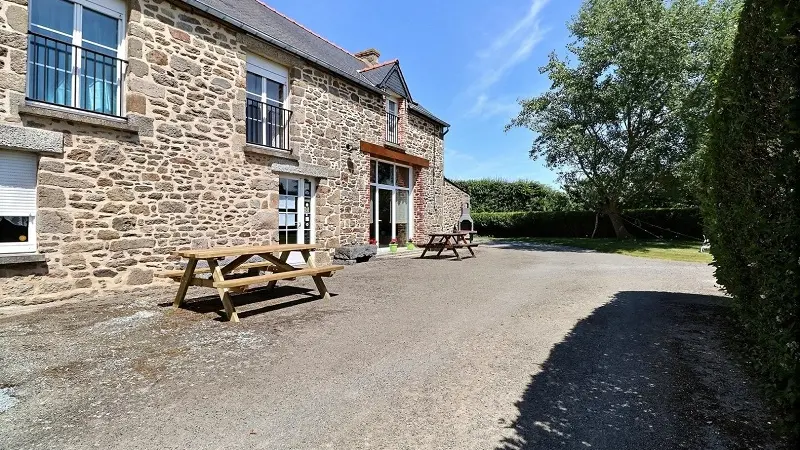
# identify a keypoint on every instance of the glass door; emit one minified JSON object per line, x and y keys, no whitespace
{"x":295,"y":212}
{"x":390,"y":203}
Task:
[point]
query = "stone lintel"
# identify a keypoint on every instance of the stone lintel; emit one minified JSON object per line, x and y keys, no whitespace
{"x":269,"y":151}
{"x":114,"y":123}
{"x":21,"y":258}
{"x":304,"y":169}
{"x":29,"y":139}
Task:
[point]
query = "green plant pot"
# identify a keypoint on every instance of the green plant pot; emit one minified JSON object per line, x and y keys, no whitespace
{"x":410,"y":246}
{"x":392,"y":248}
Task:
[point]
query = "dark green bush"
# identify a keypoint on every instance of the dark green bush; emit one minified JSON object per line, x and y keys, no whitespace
{"x":683,"y":223}
{"x":500,"y":195}
{"x":753,"y":207}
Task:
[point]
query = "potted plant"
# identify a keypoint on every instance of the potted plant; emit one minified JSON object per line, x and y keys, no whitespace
{"x":393,"y":246}
{"x":410,"y":245}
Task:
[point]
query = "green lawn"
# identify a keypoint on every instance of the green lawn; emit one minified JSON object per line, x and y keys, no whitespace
{"x":671,"y":250}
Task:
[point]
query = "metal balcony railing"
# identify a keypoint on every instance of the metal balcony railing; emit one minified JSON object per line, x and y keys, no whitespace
{"x":68,"y":75}
{"x":267,"y":125}
{"x":392,"y":128}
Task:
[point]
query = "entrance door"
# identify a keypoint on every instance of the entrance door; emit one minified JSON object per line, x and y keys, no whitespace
{"x":384,"y":216}
{"x":295,"y":214}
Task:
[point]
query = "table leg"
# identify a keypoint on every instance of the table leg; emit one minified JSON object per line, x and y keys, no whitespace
{"x":216,"y":273}
{"x":455,"y":250}
{"x":323,"y":290}
{"x":430,"y":242}
{"x":188,"y":274}
{"x":283,"y":258}
{"x":442,"y":240}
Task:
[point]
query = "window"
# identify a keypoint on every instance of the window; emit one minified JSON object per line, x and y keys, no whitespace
{"x":267,"y":117}
{"x":390,"y":206}
{"x":392,"y":121}
{"x":17,"y":202}
{"x":295,"y":216}
{"x":74,"y":54}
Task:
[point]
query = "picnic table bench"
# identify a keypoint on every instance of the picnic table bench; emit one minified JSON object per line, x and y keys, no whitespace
{"x":224,"y":280}
{"x":448,"y":241}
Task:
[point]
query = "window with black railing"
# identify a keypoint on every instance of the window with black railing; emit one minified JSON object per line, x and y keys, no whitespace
{"x":392,"y":128}
{"x":267,"y":120}
{"x":68,"y":75}
{"x":73,"y":54}
{"x":267,"y":124}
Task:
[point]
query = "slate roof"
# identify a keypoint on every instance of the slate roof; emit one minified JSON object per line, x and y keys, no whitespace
{"x":252,"y":15}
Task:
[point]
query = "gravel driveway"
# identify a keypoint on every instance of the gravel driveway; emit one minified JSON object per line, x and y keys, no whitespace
{"x":518,"y":348}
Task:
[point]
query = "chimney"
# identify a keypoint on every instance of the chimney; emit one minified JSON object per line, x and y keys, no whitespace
{"x":369,"y":56}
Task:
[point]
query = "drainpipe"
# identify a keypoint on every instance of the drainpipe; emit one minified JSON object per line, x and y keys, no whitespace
{"x":446,"y":130}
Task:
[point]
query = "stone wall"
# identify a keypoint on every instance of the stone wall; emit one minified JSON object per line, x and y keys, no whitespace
{"x":125,"y":194}
{"x":453,"y":199}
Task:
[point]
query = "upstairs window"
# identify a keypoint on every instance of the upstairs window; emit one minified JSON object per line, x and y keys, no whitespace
{"x":392,"y":121}
{"x":74,"y":54}
{"x":267,"y":116}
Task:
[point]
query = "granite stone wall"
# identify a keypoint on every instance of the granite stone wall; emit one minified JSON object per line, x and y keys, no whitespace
{"x":176,"y":172}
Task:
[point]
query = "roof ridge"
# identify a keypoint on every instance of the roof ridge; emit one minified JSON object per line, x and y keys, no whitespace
{"x":303,"y":27}
{"x":396,"y":60}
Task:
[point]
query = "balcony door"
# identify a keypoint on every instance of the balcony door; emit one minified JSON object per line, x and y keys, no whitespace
{"x":74,"y":54}
{"x":267,"y":116}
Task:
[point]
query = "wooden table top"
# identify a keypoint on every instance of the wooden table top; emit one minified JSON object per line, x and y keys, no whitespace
{"x":448,"y":233}
{"x":217,"y":252}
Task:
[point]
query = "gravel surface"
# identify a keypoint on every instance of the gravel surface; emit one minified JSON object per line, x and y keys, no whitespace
{"x":521,"y":347}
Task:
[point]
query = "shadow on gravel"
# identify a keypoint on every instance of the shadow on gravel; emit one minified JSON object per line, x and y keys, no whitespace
{"x":646,"y":370}
{"x":212,"y":303}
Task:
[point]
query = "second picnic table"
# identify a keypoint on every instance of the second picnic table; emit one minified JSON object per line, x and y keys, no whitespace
{"x":449,"y":241}
{"x":274,"y":257}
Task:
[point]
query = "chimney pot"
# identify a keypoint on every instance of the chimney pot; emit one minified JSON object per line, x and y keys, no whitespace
{"x":369,"y":56}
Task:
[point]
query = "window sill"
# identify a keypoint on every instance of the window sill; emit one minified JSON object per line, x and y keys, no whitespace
{"x":21,"y":258}
{"x":54,"y":112}
{"x":271,"y":151}
{"x":394,"y":146}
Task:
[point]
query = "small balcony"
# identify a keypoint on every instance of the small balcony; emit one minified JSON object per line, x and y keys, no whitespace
{"x":63,"y":74}
{"x":392,"y":128}
{"x":267,"y":125}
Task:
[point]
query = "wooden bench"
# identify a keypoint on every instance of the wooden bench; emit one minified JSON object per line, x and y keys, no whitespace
{"x":448,"y":241}
{"x":325,"y":271}
{"x":263,"y":265}
{"x":275,"y":259}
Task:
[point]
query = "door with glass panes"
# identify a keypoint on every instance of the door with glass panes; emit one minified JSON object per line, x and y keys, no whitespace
{"x":295,"y":213}
{"x":390,"y":203}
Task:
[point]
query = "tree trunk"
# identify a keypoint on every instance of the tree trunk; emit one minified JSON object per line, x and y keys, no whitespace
{"x":596,"y":223}
{"x":616,"y":221}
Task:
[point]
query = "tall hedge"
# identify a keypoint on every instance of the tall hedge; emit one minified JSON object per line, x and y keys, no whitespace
{"x":644,"y":223}
{"x":753,"y":207}
{"x":505,"y":196}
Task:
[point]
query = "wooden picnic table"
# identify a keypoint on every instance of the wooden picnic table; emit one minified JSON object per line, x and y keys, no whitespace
{"x":274,"y":257}
{"x":450,"y":241}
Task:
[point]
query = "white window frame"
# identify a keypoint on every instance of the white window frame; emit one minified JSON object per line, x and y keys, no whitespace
{"x":394,"y":188}
{"x":30,"y":245}
{"x":274,"y":72}
{"x":112,"y":8}
{"x":295,"y":258}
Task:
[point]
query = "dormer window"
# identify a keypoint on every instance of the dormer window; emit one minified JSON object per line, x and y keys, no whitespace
{"x":392,"y":121}
{"x":267,"y":117}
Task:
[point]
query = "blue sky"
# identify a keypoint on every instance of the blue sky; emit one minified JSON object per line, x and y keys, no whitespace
{"x":466,"y":61}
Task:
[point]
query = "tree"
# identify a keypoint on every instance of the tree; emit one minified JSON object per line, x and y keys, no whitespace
{"x":752,"y":210}
{"x":632,"y":111}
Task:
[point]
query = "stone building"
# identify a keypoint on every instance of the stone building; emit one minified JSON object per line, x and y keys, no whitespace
{"x":132,"y":128}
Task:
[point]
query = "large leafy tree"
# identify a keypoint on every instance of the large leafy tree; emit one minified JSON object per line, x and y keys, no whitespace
{"x":621,"y":121}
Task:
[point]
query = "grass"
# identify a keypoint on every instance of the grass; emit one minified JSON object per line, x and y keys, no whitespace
{"x":670,"y":250}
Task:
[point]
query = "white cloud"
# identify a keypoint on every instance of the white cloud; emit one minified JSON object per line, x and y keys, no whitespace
{"x":509,"y":49}
{"x":485,"y":107}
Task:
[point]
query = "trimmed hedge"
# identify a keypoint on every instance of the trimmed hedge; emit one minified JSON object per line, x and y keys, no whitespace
{"x":672,"y":223}
{"x":753,"y":183}
{"x":499,"y":195}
